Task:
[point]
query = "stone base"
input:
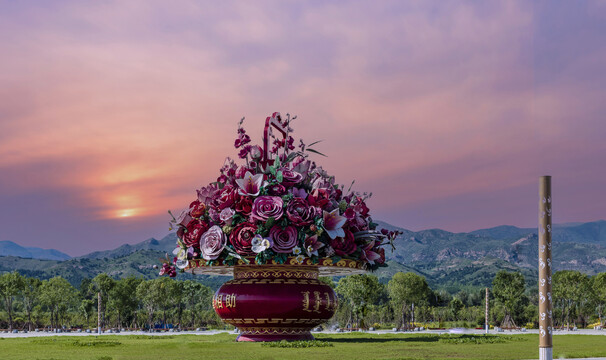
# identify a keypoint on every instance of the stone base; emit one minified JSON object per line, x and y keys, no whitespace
{"x":545,"y":353}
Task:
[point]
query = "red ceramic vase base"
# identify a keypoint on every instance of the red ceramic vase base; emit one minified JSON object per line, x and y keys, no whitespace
{"x":307,"y":336}
{"x":274,"y":303}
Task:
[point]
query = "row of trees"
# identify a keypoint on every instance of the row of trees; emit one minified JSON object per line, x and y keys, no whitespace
{"x":129,"y":302}
{"x":407,"y":298}
{"x":578,"y":298}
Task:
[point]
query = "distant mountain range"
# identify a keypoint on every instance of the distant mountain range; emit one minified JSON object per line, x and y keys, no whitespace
{"x":9,"y":248}
{"x":471,"y":259}
{"x":448,"y":260}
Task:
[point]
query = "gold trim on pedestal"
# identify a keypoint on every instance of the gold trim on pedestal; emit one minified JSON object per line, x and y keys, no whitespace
{"x":324,"y":266}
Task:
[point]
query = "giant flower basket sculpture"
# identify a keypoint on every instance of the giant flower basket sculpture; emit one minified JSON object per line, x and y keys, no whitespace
{"x":276,"y":223}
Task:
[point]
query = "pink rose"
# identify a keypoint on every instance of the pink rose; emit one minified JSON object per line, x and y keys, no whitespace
{"x":284,"y":239}
{"x":265,"y":207}
{"x":212,"y":243}
{"x":227,"y":215}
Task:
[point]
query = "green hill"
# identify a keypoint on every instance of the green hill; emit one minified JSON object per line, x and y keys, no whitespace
{"x":448,"y":260}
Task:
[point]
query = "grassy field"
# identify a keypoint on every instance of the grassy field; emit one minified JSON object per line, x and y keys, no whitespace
{"x":339,"y":347}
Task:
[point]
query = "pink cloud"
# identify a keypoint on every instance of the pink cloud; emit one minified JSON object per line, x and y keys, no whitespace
{"x":133,"y":106}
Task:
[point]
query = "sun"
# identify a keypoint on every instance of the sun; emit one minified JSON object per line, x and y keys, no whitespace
{"x":124,"y":213}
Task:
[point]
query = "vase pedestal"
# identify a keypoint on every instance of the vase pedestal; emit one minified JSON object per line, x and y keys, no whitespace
{"x":275,"y":302}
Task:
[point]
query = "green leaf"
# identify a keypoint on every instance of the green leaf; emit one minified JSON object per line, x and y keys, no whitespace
{"x":260,"y":259}
{"x":270,"y":222}
{"x":280,"y":258}
{"x":279,"y":176}
{"x":336,"y":259}
{"x":315,"y":152}
{"x":314,"y":143}
{"x":291,"y":156}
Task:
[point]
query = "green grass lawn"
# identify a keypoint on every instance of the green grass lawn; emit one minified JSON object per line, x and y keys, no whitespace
{"x":341,"y":347}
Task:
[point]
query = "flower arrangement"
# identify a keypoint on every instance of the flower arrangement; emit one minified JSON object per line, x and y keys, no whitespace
{"x":269,"y":209}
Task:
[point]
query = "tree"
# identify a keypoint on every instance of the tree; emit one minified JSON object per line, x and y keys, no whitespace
{"x":57,"y":294}
{"x":197,"y":298}
{"x":11,"y":285}
{"x":102,"y":283}
{"x":176,"y":296}
{"x":360,"y":291}
{"x":599,"y":289}
{"x":570,"y":288}
{"x":455,"y":306}
{"x":508,"y":288}
{"x":30,"y":294}
{"x":122,"y":298}
{"x":405,"y":290}
{"x":154,"y":294}
{"x":86,"y":309}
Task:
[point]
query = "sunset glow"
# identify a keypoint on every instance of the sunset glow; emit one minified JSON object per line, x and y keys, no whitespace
{"x":113,"y":112}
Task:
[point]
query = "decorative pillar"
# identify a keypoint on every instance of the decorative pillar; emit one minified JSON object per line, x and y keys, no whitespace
{"x":545,"y":300}
{"x":99,"y":313}
{"x":486,"y":325}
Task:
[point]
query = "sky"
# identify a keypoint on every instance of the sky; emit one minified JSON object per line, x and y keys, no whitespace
{"x":113,"y":112}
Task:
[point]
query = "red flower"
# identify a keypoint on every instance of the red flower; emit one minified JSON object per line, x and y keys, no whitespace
{"x":243,"y":205}
{"x":225,"y":197}
{"x":300,"y":213}
{"x":195,"y":229}
{"x":196,"y":209}
{"x":319,"y":198}
{"x":241,"y":238}
{"x":344,"y":246}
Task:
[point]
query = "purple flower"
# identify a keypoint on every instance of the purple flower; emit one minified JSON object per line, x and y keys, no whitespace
{"x":265,"y":207}
{"x":212,"y":243}
{"x":298,"y":193}
{"x":284,"y":239}
{"x":333,"y":223}
{"x":250,"y":184}
{"x":206,"y":194}
{"x":300,"y":213}
{"x":260,"y":244}
{"x":290,"y":177}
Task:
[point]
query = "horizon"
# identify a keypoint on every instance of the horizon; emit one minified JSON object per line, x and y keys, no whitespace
{"x":115,"y":113}
{"x":420,"y":230}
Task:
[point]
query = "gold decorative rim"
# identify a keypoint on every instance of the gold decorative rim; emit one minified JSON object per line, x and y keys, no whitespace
{"x":325,"y":266}
{"x":275,"y":271}
{"x":273,"y":331}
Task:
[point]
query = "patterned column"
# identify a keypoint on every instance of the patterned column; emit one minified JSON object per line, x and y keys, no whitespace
{"x":99,"y":312}
{"x":545,"y":300}
{"x":486,"y":325}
